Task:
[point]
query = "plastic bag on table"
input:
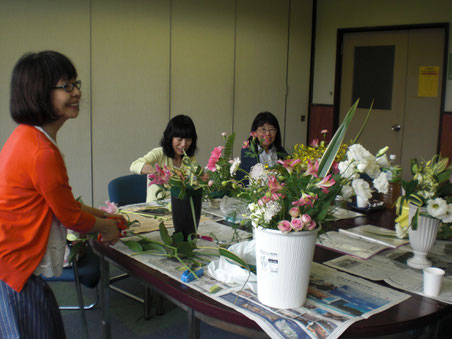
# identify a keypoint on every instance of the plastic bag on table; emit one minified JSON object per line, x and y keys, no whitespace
{"x":229,"y":272}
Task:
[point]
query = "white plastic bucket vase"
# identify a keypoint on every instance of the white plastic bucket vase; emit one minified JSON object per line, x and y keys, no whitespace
{"x":283,"y":262}
{"x":422,"y":239}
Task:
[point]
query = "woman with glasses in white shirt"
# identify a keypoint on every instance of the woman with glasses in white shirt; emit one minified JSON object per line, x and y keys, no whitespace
{"x":265,"y":137}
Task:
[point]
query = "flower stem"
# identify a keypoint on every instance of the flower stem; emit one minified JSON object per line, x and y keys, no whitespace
{"x":193,"y":214}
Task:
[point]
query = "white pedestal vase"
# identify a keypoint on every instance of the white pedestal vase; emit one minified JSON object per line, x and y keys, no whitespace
{"x":283,"y":262}
{"x":422,"y":239}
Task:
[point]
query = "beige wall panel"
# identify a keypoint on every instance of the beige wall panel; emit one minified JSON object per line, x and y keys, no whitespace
{"x":202,"y":68}
{"x":298,"y":75}
{"x":261,"y":63}
{"x":130,"y":62}
{"x":332,"y":14}
{"x":34,"y":26}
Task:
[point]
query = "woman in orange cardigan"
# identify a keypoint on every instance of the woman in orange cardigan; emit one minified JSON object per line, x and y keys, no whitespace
{"x":36,"y":201}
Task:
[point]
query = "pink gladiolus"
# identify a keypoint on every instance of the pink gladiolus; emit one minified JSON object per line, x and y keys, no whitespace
{"x":274,"y":185}
{"x":160,"y":176}
{"x":325,"y":183}
{"x":294,"y":212}
{"x":110,"y":207}
{"x":289,"y":164}
{"x":296,"y":224}
{"x":284,"y":226}
{"x":314,"y":143}
{"x":312,"y":169}
{"x":214,"y":156}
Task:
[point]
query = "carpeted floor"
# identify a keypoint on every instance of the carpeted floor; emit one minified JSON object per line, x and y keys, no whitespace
{"x":127,"y":319}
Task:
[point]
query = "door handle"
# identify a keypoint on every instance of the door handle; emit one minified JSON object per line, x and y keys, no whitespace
{"x":396,"y":127}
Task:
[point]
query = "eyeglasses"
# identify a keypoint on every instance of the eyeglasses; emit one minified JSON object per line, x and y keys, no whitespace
{"x":69,"y":86}
{"x":265,"y":131}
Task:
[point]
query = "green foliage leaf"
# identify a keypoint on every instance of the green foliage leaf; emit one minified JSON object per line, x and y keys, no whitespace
{"x":234,"y":257}
{"x":177,"y":238}
{"x":147,"y":246}
{"x":229,"y":146}
{"x":336,"y":142}
{"x":164,"y":234}
{"x":184,"y":248}
{"x":133,"y":245}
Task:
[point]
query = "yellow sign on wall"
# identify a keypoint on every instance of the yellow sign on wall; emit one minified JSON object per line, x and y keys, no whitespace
{"x":428,"y":81}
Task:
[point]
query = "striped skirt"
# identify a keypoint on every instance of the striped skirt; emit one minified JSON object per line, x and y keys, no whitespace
{"x":30,"y":313}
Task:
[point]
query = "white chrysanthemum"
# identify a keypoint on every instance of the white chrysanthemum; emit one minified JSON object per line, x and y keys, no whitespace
{"x":381,"y":183}
{"x":436,"y":207}
{"x":259,"y":173}
{"x":362,"y":189}
{"x":271,"y":209}
{"x":234,"y":166}
{"x":347,"y":169}
{"x":447,"y":217}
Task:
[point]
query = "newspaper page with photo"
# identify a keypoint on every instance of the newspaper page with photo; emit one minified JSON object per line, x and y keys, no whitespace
{"x":390,"y":266}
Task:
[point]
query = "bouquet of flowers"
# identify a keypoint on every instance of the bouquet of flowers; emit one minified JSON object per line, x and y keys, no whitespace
{"x":290,"y":197}
{"x":179,"y":182}
{"x":221,"y":169}
{"x":431,"y":188}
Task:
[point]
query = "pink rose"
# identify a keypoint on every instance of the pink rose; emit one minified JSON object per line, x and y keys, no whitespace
{"x":294,"y":212}
{"x":284,"y":226}
{"x":297,"y":224}
{"x":311,"y":226}
{"x":214,"y":156}
{"x":210,"y":183}
{"x":305,"y":219}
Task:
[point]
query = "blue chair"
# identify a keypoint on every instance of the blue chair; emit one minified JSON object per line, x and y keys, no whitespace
{"x":126,"y":190}
{"x":84,"y":271}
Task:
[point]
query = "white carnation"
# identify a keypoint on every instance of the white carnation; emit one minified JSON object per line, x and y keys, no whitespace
{"x":347,"y":192}
{"x":383,"y":161}
{"x":259,"y":173}
{"x":381,"y":183}
{"x":362,"y":189}
{"x":436,"y":207}
{"x":347,"y":169}
{"x":234,"y":166}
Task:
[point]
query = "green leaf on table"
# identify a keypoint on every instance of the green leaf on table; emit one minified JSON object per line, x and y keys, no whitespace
{"x":177,"y":238}
{"x":148,"y":246}
{"x":184,"y":248}
{"x":234,"y":257}
{"x":164,"y":234}
{"x":133,"y":245}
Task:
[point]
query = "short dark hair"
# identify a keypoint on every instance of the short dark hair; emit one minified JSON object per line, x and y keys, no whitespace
{"x":268,"y":118}
{"x":32,"y":80}
{"x":181,"y":126}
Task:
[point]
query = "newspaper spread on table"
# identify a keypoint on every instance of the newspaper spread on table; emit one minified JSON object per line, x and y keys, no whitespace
{"x":390,"y":266}
{"x":335,"y":299}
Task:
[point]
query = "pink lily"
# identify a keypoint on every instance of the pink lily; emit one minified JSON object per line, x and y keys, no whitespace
{"x":325,"y":183}
{"x":314,"y":143}
{"x":305,"y":199}
{"x":274,"y":185}
{"x":246,"y":144}
{"x":312,"y":169}
{"x":324,"y":131}
{"x":110,"y":208}
{"x":160,"y":176}
{"x":289,"y":164}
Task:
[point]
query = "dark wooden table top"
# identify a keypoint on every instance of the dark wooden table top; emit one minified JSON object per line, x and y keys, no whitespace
{"x":413,"y":313}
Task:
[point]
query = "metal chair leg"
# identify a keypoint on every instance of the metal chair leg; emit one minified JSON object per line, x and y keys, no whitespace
{"x":80,"y":299}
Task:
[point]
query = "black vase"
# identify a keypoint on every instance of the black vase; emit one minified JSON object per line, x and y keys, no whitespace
{"x":182,"y":212}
